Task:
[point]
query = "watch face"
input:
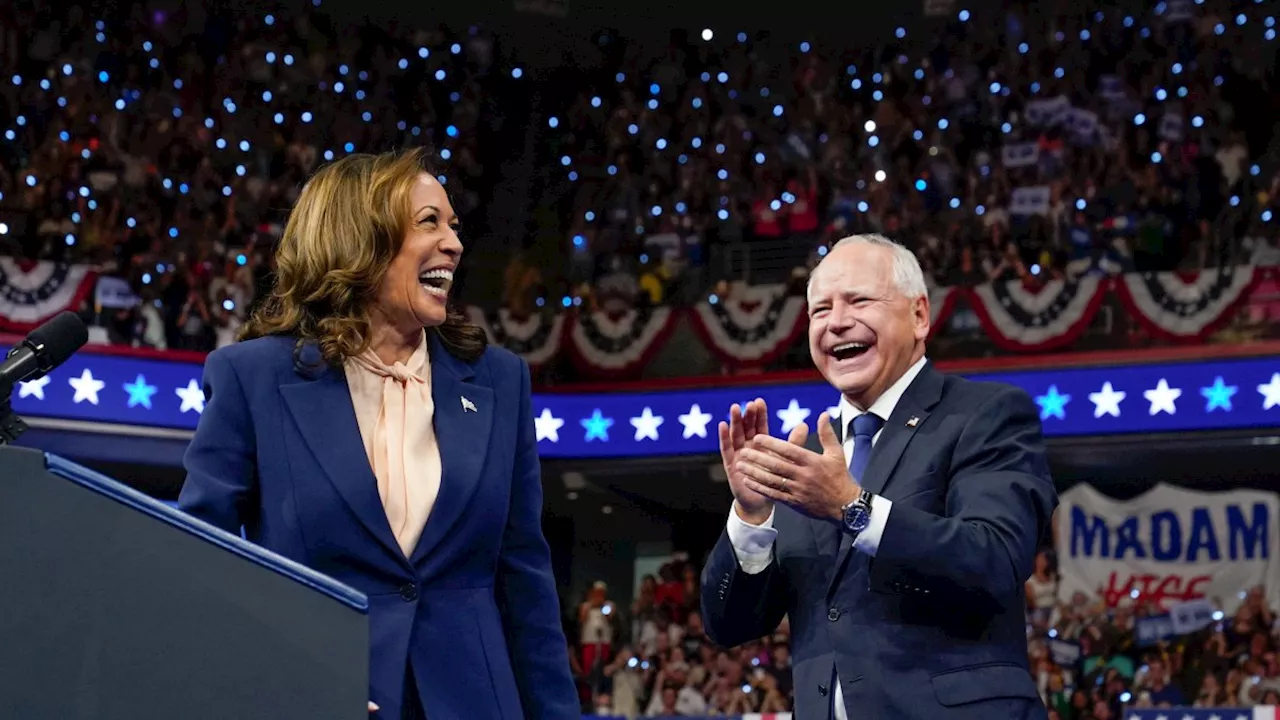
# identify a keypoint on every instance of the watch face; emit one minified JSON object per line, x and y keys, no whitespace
{"x":857,"y":518}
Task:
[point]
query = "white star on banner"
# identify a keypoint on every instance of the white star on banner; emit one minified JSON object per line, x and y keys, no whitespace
{"x":646,"y":425}
{"x":192,"y":397}
{"x":1162,"y":397}
{"x":833,"y":413}
{"x":33,"y":388}
{"x":1270,"y":392}
{"x":1106,"y":401}
{"x":695,"y":422}
{"x":792,"y":415}
{"x":547,"y":426}
{"x":86,"y":387}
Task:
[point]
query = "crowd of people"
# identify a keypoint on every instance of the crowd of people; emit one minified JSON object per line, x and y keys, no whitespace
{"x":1024,"y":147}
{"x":1229,"y":663}
{"x":166,"y":149}
{"x":652,"y":657}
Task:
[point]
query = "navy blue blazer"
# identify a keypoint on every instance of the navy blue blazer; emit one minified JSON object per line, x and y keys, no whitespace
{"x":934,"y":626}
{"x":474,"y":609}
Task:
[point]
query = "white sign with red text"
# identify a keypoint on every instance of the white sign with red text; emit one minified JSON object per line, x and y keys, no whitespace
{"x":1169,"y":545}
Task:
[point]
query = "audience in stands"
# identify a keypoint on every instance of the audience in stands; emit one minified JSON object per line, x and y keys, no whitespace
{"x":668,"y":667}
{"x":1230,"y":663}
{"x":1085,"y":657}
{"x":1033,"y":148}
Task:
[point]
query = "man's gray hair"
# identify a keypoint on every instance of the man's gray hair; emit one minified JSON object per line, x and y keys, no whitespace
{"x":908,"y":278}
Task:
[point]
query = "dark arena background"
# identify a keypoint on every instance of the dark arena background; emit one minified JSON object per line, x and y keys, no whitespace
{"x":1093,"y":191}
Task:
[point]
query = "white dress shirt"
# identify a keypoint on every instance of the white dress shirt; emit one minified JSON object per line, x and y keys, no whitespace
{"x":753,"y":544}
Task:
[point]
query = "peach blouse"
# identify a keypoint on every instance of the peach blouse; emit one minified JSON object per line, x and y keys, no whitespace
{"x":394,"y":410}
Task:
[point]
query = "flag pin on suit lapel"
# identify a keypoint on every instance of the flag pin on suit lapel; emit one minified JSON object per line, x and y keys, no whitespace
{"x":468,"y":406}
{"x":913,"y":421}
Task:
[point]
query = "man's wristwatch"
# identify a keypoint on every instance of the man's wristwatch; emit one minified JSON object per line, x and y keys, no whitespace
{"x":856,"y":516}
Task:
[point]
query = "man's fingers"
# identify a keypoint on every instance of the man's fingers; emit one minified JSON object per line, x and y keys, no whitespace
{"x":762,"y":474}
{"x":767,"y":461}
{"x":827,"y":435}
{"x":799,"y":435}
{"x":765,"y":490}
{"x":784,"y":449}
{"x":762,"y":417}
{"x":736,"y":426}
{"x":373,"y":707}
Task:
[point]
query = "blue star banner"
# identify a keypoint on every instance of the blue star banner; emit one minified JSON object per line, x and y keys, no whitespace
{"x":1260,"y":712}
{"x":1096,"y":400}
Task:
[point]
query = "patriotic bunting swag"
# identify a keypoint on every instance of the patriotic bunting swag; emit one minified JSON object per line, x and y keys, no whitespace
{"x":755,"y":326}
{"x":610,"y":345}
{"x":535,"y":338}
{"x":1020,"y":319}
{"x":32,"y":292}
{"x":1186,"y":308}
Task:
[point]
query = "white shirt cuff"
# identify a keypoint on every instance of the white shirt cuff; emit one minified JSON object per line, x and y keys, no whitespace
{"x":753,"y":544}
{"x":868,"y":541}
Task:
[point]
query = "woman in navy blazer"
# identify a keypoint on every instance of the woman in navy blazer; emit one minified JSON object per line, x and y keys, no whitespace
{"x":466,"y":626}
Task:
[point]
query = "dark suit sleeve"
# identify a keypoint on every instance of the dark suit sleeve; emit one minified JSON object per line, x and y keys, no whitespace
{"x":221,"y":484}
{"x":1000,"y":499}
{"x":738,"y":607}
{"x":526,"y":588}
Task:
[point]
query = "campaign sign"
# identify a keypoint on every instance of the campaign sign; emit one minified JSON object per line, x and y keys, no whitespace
{"x":1065,"y":653}
{"x":1148,"y":631}
{"x":1169,"y":545}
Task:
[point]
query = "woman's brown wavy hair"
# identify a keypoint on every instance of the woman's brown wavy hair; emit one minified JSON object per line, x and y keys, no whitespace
{"x":349,"y":222}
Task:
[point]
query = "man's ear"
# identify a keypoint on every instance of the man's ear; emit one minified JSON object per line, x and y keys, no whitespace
{"x":920,"y":317}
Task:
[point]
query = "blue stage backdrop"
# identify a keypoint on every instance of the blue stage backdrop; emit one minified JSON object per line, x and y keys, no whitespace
{"x":1096,"y":400}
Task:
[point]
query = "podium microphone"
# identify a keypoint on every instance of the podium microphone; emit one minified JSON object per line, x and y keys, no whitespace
{"x":47,"y":347}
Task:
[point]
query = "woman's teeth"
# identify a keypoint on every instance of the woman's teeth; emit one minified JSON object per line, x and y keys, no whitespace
{"x":436,"y":282}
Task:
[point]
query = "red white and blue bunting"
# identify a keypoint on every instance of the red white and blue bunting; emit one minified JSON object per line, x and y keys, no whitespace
{"x":755,"y":326}
{"x":612,"y":345}
{"x":535,"y":338}
{"x":32,"y":292}
{"x":1186,"y":308}
{"x":1020,"y":318}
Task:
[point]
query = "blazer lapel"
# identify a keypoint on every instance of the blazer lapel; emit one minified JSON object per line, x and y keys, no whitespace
{"x":921,"y":395}
{"x":464,"y":412}
{"x":322,"y":409}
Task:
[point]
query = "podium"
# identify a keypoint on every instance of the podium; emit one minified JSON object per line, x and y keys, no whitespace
{"x":116,"y":606}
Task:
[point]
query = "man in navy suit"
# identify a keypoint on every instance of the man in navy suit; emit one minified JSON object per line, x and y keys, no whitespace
{"x":899,"y":539}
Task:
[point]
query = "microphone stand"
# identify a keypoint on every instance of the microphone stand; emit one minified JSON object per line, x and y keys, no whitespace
{"x":11,"y":426}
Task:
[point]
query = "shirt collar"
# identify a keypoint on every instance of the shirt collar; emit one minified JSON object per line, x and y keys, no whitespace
{"x":884,"y":405}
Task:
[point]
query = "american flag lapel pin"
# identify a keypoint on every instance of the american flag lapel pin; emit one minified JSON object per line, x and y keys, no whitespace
{"x":468,"y":406}
{"x":913,"y":421}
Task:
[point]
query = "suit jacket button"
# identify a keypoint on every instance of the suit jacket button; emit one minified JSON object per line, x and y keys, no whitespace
{"x":409,"y":592}
{"x":822,"y":690}
{"x":833,"y":614}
